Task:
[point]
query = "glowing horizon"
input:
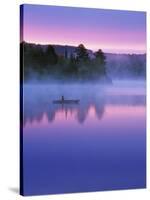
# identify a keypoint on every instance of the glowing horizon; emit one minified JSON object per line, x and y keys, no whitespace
{"x":113,"y":31}
{"x":105,"y":49}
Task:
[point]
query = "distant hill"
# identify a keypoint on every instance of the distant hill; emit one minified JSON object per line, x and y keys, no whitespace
{"x":60,"y":49}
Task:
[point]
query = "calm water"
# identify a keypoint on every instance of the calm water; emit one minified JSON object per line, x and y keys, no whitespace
{"x":99,"y":144}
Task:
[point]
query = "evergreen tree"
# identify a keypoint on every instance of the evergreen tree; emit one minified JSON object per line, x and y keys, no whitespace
{"x":82,"y":54}
{"x":100,"y":57}
{"x":100,"y":61}
{"x":51,"y":56}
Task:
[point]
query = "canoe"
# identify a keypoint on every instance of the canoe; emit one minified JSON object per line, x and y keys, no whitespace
{"x":66,"y":101}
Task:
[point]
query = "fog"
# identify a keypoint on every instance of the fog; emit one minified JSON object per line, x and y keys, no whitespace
{"x":38,"y":98}
{"x":126,"y":66}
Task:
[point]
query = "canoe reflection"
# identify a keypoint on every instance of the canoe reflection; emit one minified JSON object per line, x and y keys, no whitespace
{"x":35,"y":108}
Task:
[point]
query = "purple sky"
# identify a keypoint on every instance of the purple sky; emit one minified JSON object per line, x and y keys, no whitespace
{"x":109,"y":30}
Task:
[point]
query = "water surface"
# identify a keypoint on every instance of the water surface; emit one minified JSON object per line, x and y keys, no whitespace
{"x":98,"y":144}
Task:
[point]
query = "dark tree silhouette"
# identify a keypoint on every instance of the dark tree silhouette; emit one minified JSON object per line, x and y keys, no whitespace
{"x":76,"y":64}
{"x":100,"y":57}
{"x":82,"y":53}
{"x":51,"y":56}
{"x":100,"y":61}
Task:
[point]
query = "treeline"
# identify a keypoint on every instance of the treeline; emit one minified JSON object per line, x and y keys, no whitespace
{"x":77,"y":66}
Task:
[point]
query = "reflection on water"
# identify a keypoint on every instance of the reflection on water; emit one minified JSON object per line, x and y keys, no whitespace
{"x":80,"y":111}
{"x":98,"y":144}
{"x":37,"y":104}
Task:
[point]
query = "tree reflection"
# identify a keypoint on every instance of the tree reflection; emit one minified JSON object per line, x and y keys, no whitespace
{"x":38,"y":103}
{"x":35,"y":112}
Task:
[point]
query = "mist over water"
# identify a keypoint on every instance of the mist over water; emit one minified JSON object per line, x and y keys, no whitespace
{"x":97,"y":144}
{"x":39,"y":97}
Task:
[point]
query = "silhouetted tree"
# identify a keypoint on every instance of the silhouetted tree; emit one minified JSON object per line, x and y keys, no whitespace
{"x":100,"y":61}
{"x":51,"y":56}
{"x":42,"y":62}
{"x":81,"y":53}
{"x":100,"y":57}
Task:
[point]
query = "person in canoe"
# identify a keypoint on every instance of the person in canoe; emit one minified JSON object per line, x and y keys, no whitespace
{"x":66,"y":101}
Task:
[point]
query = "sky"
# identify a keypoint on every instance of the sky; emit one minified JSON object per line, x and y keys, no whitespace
{"x":113,"y":31}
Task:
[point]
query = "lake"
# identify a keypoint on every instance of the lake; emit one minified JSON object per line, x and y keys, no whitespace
{"x":98,"y":144}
